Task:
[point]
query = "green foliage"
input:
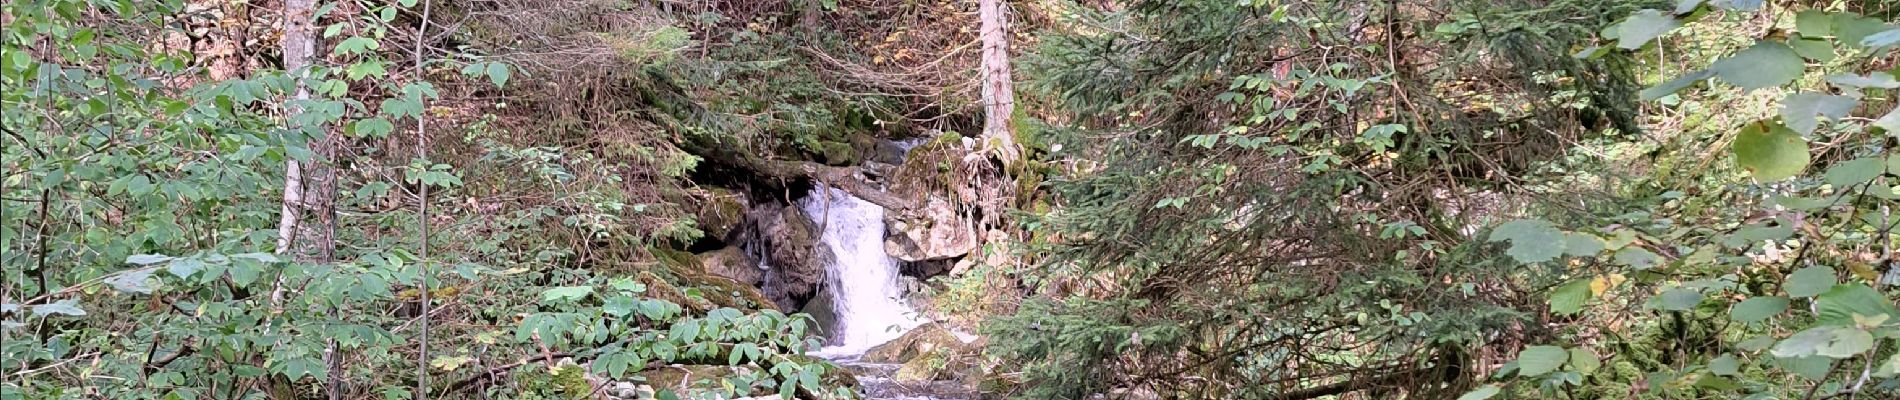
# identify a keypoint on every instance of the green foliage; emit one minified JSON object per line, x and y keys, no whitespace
{"x":141,"y":193}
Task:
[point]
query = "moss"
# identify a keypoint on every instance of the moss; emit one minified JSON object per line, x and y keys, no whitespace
{"x":836,"y":153}
{"x":662,"y":289}
{"x":567,"y":382}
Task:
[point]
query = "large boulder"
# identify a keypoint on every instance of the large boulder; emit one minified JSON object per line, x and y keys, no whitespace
{"x":934,"y":232}
{"x":720,"y":213}
{"x":923,"y":339}
{"x":823,"y":315}
{"x":931,"y":352}
{"x":794,"y":258}
{"x":731,"y":262}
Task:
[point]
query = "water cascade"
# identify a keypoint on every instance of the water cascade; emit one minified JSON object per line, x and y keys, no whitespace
{"x":862,"y":279}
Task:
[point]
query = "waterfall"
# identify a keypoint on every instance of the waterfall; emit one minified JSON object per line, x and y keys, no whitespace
{"x":862,"y":278}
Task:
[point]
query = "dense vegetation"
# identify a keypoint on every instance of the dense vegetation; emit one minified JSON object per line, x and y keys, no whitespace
{"x":1198,"y":199}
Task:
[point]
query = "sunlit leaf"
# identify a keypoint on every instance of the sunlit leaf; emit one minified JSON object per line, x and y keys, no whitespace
{"x":1770,"y":152}
{"x":1539,"y":360}
{"x":1570,"y":297}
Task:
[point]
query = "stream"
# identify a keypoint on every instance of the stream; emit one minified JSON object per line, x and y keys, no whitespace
{"x":866,"y":297}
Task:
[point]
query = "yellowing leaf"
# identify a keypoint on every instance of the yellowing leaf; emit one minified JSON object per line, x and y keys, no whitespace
{"x":1603,"y":283}
{"x":449,"y":363}
{"x":1863,"y":271}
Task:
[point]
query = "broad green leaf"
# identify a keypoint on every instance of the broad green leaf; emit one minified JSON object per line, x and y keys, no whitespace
{"x":619,"y":306}
{"x":1890,"y":368}
{"x":68,"y":307}
{"x":1725,"y":365}
{"x":498,"y":73}
{"x":1804,"y":343}
{"x":183,"y":268}
{"x":1766,"y":64}
{"x":356,"y":44}
{"x":1873,"y":80}
{"x":375,"y":127}
{"x":1853,"y":29}
{"x":1582,"y":244}
{"x":1539,"y":360}
{"x":1743,"y":5}
{"x":300,"y":367}
{"x":1584,"y":361}
{"x":1679,"y":299}
{"x":566,"y":293}
{"x":1758,"y":308}
{"x":1890,"y":122}
{"x":1642,"y":27}
{"x":1531,"y":240}
{"x":1798,"y":111}
{"x":1882,"y":39}
{"x":1855,"y":172}
{"x":1487,"y":391}
{"x":1814,"y":23}
{"x":1675,"y":85}
{"x":134,"y":281}
{"x":1812,"y":367}
{"x":1570,"y":297}
{"x":1819,"y":50}
{"x":244,"y":274}
{"x":1757,"y":343}
{"x":1770,"y":152}
{"x":1839,"y":304}
{"x":1809,"y":281}
{"x":1637,"y":257}
{"x":1847,"y":342}
{"x":147,"y":259}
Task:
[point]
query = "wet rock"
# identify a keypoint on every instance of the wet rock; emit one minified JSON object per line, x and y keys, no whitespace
{"x":928,"y":337}
{"x":731,"y":262}
{"x":824,"y":316}
{"x":934,"y":232}
{"x":794,"y":257}
{"x":887,"y":152}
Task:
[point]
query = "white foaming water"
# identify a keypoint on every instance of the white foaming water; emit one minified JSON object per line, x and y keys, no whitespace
{"x":862,"y":278}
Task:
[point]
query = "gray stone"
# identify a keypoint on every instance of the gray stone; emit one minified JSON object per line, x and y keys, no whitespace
{"x":938,"y":232}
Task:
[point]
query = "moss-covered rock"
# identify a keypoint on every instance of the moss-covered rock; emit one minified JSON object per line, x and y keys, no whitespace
{"x":733,"y":263}
{"x":924,"y":339}
{"x":662,"y":289}
{"x":687,"y":379}
{"x":719,"y":213}
{"x":836,"y":153}
{"x":565,"y":382}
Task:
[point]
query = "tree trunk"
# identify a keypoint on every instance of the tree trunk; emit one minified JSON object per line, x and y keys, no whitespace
{"x":306,"y":230}
{"x":999,"y":96}
{"x":298,"y":45}
{"x":309,"y":186}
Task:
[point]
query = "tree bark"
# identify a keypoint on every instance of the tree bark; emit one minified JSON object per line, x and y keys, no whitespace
{"x":999,"y":97}
{"x":309,"y":204}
